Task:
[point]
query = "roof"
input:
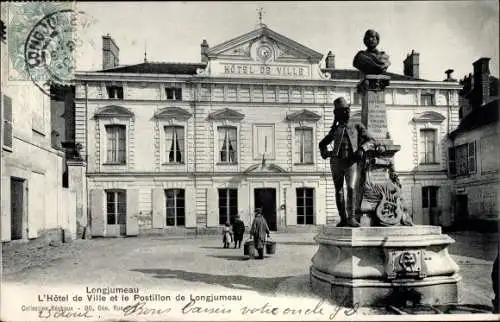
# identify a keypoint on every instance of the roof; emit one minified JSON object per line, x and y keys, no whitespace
{"x":357,"y":75}
{"x":190,"y":69}
{"x":481,"y":116}
{"x":158,"y":68}
{"x":263,"y":31}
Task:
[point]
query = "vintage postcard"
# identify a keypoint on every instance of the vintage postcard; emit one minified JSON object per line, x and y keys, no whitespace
{"x":249,"y":161}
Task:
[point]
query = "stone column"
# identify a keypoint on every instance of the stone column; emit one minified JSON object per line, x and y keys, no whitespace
{"x":379,"y":169}
{"x":373,"y":112}
{"x":77,"y":184}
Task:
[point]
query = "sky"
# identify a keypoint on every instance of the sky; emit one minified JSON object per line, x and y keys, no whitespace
{"x":447,"y":34}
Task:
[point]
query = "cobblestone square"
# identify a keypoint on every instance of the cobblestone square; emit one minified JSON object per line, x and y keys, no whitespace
{"x":201,"y":266}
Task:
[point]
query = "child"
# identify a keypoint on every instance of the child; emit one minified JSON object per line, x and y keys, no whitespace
{"x":227,"y":235}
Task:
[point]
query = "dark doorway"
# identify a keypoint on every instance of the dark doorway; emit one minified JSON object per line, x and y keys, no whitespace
{"x":16,"y":208}
{"x":265,"y":198}
{"x":462,"y":209}
{"x":430,"y":211}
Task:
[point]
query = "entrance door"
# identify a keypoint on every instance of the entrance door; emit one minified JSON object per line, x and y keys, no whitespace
{"x":16,"y":208}
{"x":116,"y":212}
{"x":430,"y":211}
{"x":265,"y":198}
{"x":462,"y":209}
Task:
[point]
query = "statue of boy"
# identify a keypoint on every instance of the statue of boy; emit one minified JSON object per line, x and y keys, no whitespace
{"x":350,"y":141}
{"x":371,"y":60}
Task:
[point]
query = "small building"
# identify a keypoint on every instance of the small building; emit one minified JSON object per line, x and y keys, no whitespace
{"x":34,"y":202}
{"x":474,"y":151}
{"x":186,"y":146}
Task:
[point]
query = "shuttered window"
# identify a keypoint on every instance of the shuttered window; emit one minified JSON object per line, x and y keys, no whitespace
{"x":116,"y":207}
{"x":7,"y":122}
{"x":304,"y":145}
{"x":427,"y":99}
{"x":227,"y":144}
{"x":452,"y":167}
{"x":228,"y":205}
{"x":116,"y":144}
{"x":429,"y":197}
{"x":427,"y":146}
{"x":174,"y":142}
{"x":115,"y":92}
{"x":305,"y":206}
{"x":465,"y":159}
{"x":175,"y":207}
{"x":173,"y":93}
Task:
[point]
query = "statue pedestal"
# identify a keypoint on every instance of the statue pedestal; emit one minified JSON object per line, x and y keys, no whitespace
{"x":379,"y":191}
{"x":376,"y":266}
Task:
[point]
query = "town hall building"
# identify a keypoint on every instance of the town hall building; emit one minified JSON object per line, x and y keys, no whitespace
{"x":187,"y":146}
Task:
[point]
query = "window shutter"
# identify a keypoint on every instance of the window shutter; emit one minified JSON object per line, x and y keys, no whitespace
{"x":472,"y":157}
{"x":452,"y":168}
{"x":444,"y":194}
{"x":7,"y":123}
{"x":36,"y":204}
{"x":416,"y":192}
{"x":297,"y":146}
{"x":132,"y":225}
{"x":97,"y":206}
{"x":212,"y":207}
{"x":159,"y":211}
{"x":291,"y":207}
{"x":243,"y":205}
{"x":190,"y":207}
{"x":320,"y":206}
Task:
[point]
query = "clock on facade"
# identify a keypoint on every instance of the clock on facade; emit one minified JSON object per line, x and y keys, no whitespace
{"x":264,"y":52}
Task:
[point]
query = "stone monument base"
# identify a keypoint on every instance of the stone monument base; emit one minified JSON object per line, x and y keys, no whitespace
{"x":377,"y":266}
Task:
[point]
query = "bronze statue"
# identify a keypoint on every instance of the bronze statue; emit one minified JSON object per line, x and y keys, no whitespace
{"x":371,"y":60}
{"x":350,"y":141}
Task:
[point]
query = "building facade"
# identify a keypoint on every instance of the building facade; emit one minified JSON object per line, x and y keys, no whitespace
{"x":187,"y":146}
{"x":474,"y":156}
{"x":34,"y":202}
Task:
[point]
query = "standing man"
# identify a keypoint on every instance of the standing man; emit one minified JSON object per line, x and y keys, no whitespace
{"x":238,"y":230}
{"x":259,"y":231}
{"x":350,"y":141}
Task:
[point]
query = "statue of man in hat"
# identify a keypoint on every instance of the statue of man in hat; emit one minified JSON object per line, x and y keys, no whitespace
{"x":350,"y":141}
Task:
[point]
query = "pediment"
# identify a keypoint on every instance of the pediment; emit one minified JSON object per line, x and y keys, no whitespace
{"x":172,"y":112}
{"x":430,"y":116}
{"x":264,"y":45}
{"x":268,"y":167}
{"x":114,"y":111}
{"x":226,"y":114}
{"x":304,"y":115}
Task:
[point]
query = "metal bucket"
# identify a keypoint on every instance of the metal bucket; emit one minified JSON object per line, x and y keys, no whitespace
{"x":248,"y":248}
{"x":270,"y":247}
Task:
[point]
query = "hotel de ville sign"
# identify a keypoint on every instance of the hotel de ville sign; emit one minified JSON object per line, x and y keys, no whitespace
{"x":263,"y":53}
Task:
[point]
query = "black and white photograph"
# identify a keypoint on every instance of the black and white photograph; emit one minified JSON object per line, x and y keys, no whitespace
{"x":262,"y":161}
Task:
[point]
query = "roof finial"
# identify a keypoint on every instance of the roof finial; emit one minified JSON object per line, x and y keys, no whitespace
{"x":260,"y":12}
{"x":145,"y":51}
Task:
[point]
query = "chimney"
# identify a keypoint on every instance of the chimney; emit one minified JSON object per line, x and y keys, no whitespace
{"x":411,"y":64}
{"x":330,"y":60}
{"x":110,"y":53}
{"x":449,"y":78}
{"x":481,"y":83}
{"x":204,"y":49}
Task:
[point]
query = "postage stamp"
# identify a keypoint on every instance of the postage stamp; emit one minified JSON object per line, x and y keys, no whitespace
{"x":43,"y":37}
